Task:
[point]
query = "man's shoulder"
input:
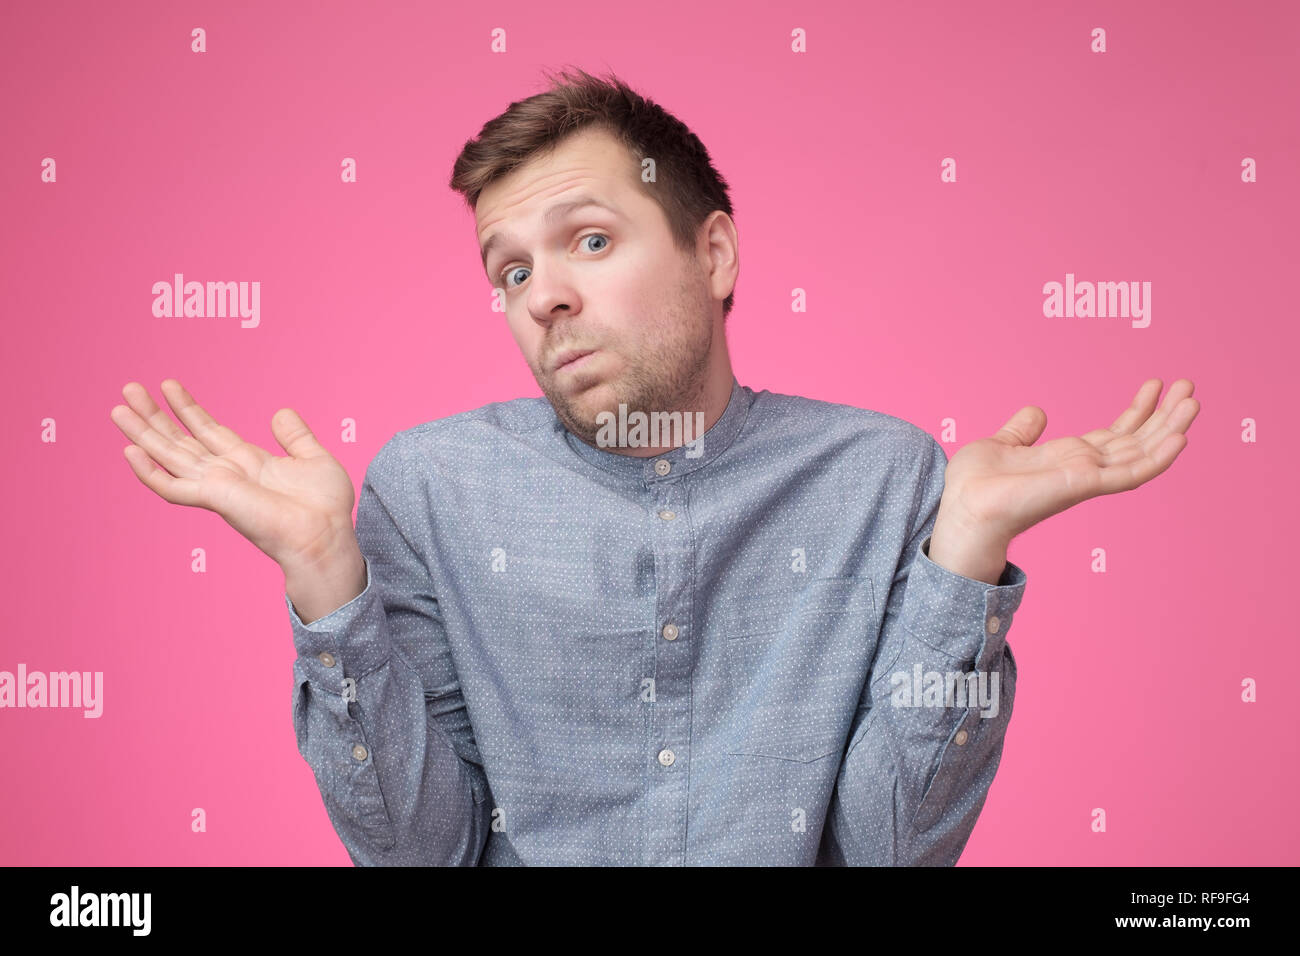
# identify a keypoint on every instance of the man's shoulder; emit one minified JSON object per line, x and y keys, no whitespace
{"x":511,"y":417}
{"x":476,"y":432}
{"x":817,"y":420}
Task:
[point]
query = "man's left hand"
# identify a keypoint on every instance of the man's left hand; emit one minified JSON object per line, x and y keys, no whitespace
{"x":995,"y":488}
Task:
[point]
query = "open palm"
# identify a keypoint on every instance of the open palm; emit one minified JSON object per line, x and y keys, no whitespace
{"x":292,"y":508}
{"x":1005,"y":484}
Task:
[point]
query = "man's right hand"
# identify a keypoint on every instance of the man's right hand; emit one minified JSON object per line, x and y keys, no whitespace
{"x":297,"y":510}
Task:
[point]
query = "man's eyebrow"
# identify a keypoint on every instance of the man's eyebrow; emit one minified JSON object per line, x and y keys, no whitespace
{"x":552,"y":215}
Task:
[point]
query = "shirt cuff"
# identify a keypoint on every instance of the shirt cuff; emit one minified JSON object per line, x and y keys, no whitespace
{"x":348,"y":642}
{"x":963,"y":618}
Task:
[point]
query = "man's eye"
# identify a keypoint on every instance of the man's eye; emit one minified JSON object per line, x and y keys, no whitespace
{"x":509,"y":272}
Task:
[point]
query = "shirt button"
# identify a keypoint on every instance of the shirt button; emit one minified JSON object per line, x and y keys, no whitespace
{"x":994,"y":624}
{"x":327,"y":658}
{"x":667,"y":515}
{"x":663,"y":466}
{"x":360,"y":752}
{"x":670,"y":632}
{"x":960,"y":738}
{"x":666,"y":757}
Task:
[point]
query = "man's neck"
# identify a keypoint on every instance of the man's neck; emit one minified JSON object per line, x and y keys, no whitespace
{"x":696,"y":420}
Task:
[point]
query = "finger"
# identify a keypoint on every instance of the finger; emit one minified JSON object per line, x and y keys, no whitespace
{"x":1178,"y":391}
{"x":178,"y":491}
{"x":176,"y":458}
{"x":139,"y":399}
{"x":1136,"y":413}
{"x":1024,"y":427}
{"x":294,"y":436}
{"x":1124,"y":477}
{"x":216,"y":438}
{"x":1131,"y":448}
{"x":1176,"y":422}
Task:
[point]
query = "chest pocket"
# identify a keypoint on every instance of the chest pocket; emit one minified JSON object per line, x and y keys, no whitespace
{"x":796,"y":665}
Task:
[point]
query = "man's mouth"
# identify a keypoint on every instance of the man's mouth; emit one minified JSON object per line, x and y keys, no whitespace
{"x":572,"y":358}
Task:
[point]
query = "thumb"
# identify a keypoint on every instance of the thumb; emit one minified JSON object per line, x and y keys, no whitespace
{"x":1024,"y":427}
{"x":294,"y":436}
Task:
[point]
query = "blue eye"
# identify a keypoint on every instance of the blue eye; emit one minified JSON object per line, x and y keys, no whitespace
{"x":509,"y":272}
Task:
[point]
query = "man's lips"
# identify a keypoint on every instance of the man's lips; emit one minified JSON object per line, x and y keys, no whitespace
{"x":570,"y":357}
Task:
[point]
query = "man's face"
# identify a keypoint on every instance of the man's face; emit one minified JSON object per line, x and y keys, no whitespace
{"x":608,"y":280}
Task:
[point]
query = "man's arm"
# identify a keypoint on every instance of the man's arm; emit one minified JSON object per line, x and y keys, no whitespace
{"x":914,"y":778}
{"x":378,"y":711}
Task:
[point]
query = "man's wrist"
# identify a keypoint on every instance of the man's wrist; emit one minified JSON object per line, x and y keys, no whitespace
{"x":967,"y":552}
{"x":325,"y":585}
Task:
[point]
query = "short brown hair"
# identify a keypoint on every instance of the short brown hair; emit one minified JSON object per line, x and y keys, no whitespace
{"x":690,"y":190}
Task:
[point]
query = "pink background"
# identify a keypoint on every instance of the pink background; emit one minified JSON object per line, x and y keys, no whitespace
{"x":925,"y":301}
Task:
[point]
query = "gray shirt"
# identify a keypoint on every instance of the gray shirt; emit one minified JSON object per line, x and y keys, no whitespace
{"x":737,"y":653}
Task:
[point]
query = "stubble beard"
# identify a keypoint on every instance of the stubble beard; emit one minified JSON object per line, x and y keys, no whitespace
{"x":670,"y":375}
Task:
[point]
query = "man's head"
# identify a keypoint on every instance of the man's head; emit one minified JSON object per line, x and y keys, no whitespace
{"x":647,"y":282}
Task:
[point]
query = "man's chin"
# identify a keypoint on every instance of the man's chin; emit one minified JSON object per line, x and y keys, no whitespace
{"x":579,"y":403}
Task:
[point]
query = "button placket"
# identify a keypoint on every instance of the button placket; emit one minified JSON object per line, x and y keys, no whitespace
{"x":668,"y":729}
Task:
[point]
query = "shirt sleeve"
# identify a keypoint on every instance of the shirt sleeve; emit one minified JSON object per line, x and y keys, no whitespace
{"x":928,"y":732}
{"x":377,"y":707}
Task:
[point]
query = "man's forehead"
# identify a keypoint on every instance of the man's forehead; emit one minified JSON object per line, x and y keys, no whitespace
{"x":591,"y":162}
{"x":553,"y":202}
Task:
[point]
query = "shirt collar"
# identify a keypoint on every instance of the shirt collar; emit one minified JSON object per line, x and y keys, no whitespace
{"x":681,"y":460}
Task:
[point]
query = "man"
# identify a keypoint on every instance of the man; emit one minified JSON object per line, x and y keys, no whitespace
{"x":559,"y":635}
